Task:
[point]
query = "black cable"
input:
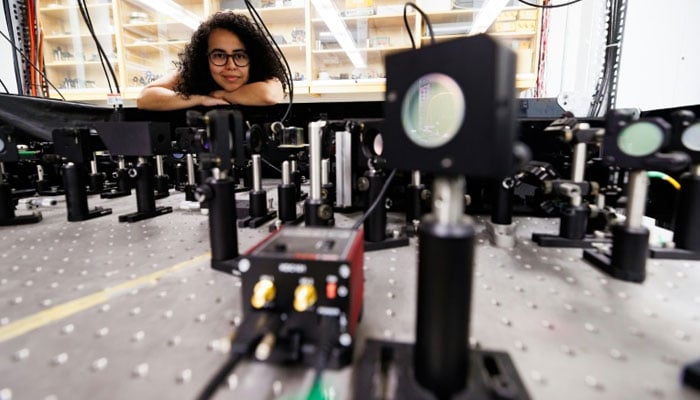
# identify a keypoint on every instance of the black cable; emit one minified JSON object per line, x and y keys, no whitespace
{"x":288,"y":73}
{"x":4,"y":87}
{"x":602,"y":83}
{"x":270,"y":164}
{"x":362,"y":219}
{"x":32,"y":64}
{"x":615,"y":47}
{"x":88,"y":23}
{"x":425,"y":18}
{"x":549,"y":6}
{"x":221,"y":375}
{"x":612,"y":43}
{"x":610,"y":52}
{"x":330,"y":330}
{"x":408,"y":27}
{"x":255,"y":325}
{"x":102,"y":54}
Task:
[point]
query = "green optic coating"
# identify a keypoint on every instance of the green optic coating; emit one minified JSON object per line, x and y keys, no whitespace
{"x":691,"y":137}
{"x":433,"y":110}
{"x":640,"y":139}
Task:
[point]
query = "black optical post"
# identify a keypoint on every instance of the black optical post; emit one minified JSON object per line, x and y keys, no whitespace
{"x":574,"y":216}
{"x":43,"y":186}
{"x":121,"y":175}
{"x":9,"y":153}
{"x":418,"y":196}
{"x":297,"y":179}
{"x":286,"y":200}
{"x":141,"y":140}
{"x":375,"y":226}
{"x":188,"y":141}
{"x":258,"y":212}
{"x":445,"y":262}
{"x":219,"y":190}
{"x":686,"y":232}
{"x":633,"y":144}
{"x":453,"y":121}
{"x":501,"y":229}
{"x":76,"y":146}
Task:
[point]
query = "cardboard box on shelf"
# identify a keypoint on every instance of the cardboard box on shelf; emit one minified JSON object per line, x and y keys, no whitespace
{"x":508,"y":15}
{"x":437,"y":5}
{"x":504,"y":26}
{"x":527,"y":14}
{"x":359,"y":3}
{"x":524,"y":61}
{"x":525,"y":26}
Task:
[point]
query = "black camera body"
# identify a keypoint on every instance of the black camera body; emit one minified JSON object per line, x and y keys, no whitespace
{"x":448,"y":115}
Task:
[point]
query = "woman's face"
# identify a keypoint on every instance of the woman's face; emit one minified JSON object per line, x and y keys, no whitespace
{"x":229,"y":75}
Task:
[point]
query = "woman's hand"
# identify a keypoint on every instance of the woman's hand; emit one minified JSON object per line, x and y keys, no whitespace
{"x":160,"y":95}
{"x":219,"y":95}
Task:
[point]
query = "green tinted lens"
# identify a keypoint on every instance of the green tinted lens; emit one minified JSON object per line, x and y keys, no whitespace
{"x":640,"y":139}
{"x":691,"y":137}
{"x":433,"y":110}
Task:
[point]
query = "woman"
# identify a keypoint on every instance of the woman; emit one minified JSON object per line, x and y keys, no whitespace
{"x":228,"y":61}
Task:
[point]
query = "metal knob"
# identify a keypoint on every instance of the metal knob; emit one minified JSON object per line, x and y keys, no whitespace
{"x":304,"y":297}
{"x":263,"y":292}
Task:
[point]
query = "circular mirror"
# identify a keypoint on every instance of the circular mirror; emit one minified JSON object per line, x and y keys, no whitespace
{"x":640,"y":139}
{"x":433,"y":110}
{"x":690,"y":137}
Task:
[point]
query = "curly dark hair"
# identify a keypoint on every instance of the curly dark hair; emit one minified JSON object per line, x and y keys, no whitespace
{"x":195,"y":77}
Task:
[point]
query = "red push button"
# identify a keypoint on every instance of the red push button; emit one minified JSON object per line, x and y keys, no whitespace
{"x":331,"y":290}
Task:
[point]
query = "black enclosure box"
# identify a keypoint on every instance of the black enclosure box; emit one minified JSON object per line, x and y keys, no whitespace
{"x":76,"y":144}
{"x":135,"y":138}
{"x":8,"y":148}
{"x":467,"y":83}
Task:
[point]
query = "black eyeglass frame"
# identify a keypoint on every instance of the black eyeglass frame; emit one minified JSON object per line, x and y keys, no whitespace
{"x":231,"y":56}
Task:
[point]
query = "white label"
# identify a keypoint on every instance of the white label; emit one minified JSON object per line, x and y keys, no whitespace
{"x":292,"y":268}
{"x":328,"y":311}
{"x":114,"y":99}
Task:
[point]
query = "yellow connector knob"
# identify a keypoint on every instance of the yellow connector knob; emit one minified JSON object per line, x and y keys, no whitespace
{"x":263,"y":293}
{"x":304,"y":297}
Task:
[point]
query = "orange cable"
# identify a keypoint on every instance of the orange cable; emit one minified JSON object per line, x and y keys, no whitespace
{"x":32,"y":72}
{"x":40,"y":61}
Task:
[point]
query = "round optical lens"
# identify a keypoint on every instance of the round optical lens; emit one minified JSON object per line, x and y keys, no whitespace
{"x":433,"y":110}
{"x":691,"y":137}
{"x":2,"y":146}
{"x":640,"y":139}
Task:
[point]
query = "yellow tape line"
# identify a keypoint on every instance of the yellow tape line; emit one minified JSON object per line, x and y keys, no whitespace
{"x":56,"y":313}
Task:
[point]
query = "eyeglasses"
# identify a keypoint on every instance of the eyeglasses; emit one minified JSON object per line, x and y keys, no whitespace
{"x":220,"y":58}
